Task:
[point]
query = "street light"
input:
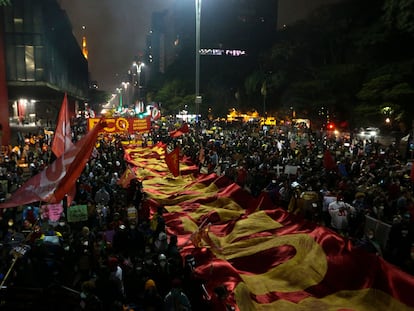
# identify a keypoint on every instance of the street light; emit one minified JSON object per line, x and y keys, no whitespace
{"x":198,"y":98}
{"x":138,"y":67}
{"x":119,"y":90}
{"x":137,"y":83}
{"x":127,"y":97}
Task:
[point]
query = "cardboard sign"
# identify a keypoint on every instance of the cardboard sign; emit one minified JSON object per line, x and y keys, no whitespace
{"x":291,"y":169}
{"x":77,"y":213}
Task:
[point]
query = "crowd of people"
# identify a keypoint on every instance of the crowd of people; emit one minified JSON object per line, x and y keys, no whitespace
{"x":122,"y":256}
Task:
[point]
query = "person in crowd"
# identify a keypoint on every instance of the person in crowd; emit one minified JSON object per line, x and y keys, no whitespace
{"x":339,"y":211}
{"x":152,"y":300}
{"x":157,"y":222}
{"x":273,"y":189}
{"x":176,"y":299}
{"x":116,"y":274}
{"x":369,"y":243}
{"x":174,"y":257}
{"x":89,"y":300}
{"x":102,"y":196}
{"x":162,"y":275}
{"x":212,"y":161}
{"x":161,"y":243}
{"x":400,"y":241}
{"x":135,"y":193}
{"x":84,"y":251}
{"x":107,"y":288}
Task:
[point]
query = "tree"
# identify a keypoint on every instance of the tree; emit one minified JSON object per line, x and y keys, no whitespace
{"x":174,"y":96}
{"x":344,"y":56}
{"x":97,"y":98}
{"x":399,"y":15}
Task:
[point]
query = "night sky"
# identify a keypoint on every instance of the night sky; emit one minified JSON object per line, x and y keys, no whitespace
{"x":116,"y":30}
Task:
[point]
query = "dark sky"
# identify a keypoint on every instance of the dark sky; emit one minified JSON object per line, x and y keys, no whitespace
{"x":292,"y":10}
{"x":115,"y":31}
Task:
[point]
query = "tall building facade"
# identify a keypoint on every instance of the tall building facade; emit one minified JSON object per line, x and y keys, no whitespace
{"x":43,"y":61}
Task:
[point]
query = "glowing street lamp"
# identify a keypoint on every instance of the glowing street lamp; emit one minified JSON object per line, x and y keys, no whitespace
{"x":198,"y":98}
{"x":137,"y":83}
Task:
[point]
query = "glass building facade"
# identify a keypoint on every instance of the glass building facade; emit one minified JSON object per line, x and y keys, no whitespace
{"x":43,"y":61}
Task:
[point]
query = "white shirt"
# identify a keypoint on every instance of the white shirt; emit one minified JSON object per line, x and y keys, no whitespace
{"x":339,"y":211}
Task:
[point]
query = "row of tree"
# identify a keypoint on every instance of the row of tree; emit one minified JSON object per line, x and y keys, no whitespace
{"x":347,"y":61}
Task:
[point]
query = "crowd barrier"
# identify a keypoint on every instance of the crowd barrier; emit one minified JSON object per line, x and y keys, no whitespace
{"x":381,"y":230}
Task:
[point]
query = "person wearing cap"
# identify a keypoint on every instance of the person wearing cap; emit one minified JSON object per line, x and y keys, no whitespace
{"x":152,"y":300}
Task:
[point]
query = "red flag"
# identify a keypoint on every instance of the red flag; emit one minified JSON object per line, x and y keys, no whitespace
{"x":126,"y":177}
{"x":172,"y":160}
{"x":182,"y":130}
{"x":62,"y":140}
{"x":53,"y":183}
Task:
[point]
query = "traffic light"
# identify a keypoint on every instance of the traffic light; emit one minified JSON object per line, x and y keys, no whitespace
{"x":330,"y":126}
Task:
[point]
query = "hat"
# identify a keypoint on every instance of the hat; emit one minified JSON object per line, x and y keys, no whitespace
{"x":149,"y":284}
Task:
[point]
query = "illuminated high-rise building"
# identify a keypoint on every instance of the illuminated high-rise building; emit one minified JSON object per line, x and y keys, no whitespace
{"x":44,"y":61}
{"x":84,"y":44}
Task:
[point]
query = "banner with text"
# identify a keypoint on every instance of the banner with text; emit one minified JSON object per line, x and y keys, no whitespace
{"x":120,"y":125}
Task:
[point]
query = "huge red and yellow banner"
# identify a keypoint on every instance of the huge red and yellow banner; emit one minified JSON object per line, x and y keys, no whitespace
{"x":120,"y":125}
{"x":267,"y":258}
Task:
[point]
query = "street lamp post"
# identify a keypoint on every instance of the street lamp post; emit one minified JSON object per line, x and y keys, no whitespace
{"x":126,"y":101}
{"x":197,"y":56}
{"x":138,"y":67}
{"x":120,"y":105}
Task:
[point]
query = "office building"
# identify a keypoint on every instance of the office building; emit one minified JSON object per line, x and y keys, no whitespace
{"x":43,"y":61}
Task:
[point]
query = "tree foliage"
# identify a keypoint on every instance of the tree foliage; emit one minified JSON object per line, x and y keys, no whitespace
{"x":174,"y":96}
{"x":399,"y":15}
{"x":351,"y":54}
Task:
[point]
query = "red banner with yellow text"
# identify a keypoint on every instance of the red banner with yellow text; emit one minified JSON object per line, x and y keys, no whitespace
{"x":120,"y":125}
